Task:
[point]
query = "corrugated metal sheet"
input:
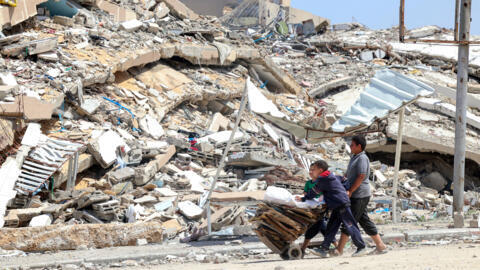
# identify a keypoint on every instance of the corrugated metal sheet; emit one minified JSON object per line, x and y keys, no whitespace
{"x":42,"y":162}
{"x":247,"y":9}
{"x":386,"y":93}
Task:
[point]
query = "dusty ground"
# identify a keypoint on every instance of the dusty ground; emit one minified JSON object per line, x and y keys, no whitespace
{"x":443,"y":257}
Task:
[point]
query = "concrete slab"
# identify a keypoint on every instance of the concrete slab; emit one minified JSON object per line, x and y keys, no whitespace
{"x":218,"y":122}
{"x":428,"y":138}
{"x":324,"y":88}
{"x":71,"y":237}
{"x":255,"y":159}
{"x":447,"y":109}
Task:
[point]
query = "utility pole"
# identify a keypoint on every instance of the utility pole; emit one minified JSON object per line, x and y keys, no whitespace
{"x":401,"y":17}
{"x":461,"y":111}
{"x":398,"y":155}
{"x":243,"y":104}
{"x":457,"y":10}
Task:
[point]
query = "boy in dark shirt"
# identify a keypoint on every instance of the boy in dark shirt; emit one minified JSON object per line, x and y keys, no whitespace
{"x":337,"y":200}
{"x":320,"y":225}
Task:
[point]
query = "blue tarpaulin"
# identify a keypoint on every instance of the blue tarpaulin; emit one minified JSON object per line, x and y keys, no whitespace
{"x":61,"y":8}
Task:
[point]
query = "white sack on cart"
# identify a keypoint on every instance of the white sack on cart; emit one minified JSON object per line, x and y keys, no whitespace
{"x":284,"y":197}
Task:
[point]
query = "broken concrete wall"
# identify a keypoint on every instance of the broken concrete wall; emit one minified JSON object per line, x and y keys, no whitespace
{"x":297,"y":16}
{"x":71,"y":237}
{"x":278,"y":80}
{"x":210,"y":7}
{"x":10,"y":16}
{"x":267,"y":12}
{"x":119,"y":13}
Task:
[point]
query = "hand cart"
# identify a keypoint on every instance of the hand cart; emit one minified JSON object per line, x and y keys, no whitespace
{"x":279,"y":226}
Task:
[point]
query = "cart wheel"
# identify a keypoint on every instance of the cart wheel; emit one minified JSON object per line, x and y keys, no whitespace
{"x":284,"y":255}
{"x":294,"y":252}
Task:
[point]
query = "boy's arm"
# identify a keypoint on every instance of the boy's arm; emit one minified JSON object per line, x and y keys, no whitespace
{"x":362,"y":169}
{"x":312,"y":193}
{"x":356,"y":184}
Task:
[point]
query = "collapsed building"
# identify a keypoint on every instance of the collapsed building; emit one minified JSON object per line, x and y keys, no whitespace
{"x":115,"y":115}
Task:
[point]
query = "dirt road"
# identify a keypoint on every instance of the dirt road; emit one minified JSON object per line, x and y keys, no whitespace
{"x":445,"y":257}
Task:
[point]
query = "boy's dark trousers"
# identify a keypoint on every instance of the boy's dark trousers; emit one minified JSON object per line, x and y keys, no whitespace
{"x":342,"y":215}
{"x":319,"y":227}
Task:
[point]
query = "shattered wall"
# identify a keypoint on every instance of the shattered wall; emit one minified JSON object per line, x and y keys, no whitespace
{"x":10,"y":16}
{"x":211,"y":7}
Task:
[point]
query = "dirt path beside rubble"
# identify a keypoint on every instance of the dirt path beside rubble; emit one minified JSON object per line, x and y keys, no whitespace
{"x":451,"y":257}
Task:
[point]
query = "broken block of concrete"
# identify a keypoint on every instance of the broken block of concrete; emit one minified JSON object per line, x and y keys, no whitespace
{"x":49,"y":56}
{"x":146,"y":173}
{"x":30,"y":108}
{"x":7,"y":90}
{"x":147,"y":199}
{"x":30,"y":48}
{"x":324,"y":88}
{"x":131,"y":26}
{"x":92,"y":198}
{"x":180,"y":10}
{"x":195,"y":180}
{"x":165,"y":192}
{"x":435,"y":180}
{"x":122,"y":188}
{"x":104,"y":148}
{"x":150,"y":126}
{"x":119,"y":13}
{"x":424,"y":31}
{"x":221,"y":137}
{"x":271,"y":132}
{"x":172,"y":226}
{"x":161,"y":10}
{"x":90,"y":105}
{"x":190,"y":210}
{"x":153,"y":28}
{"x":218,"y":123}
{"x":164,"y":205}
{"x":379,"y":177}
{"x":107,"y":211}
{"x":42,"y":220}
{"x":122,"y":175}
{"x":65,"y":21}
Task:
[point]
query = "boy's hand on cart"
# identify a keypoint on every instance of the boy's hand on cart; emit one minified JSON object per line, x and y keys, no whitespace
{"x":298,"y":198}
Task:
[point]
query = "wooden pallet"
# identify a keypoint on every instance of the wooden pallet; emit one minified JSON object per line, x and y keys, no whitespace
{"x":278,"y":226}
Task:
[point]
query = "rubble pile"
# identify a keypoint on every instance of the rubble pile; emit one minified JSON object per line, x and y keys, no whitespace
{"x":117,"y":112}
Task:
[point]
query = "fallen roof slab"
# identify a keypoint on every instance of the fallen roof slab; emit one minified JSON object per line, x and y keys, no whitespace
{"x":427,"y":138}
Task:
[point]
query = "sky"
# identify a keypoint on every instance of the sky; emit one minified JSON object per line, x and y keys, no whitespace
{"x":380,"y":14}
